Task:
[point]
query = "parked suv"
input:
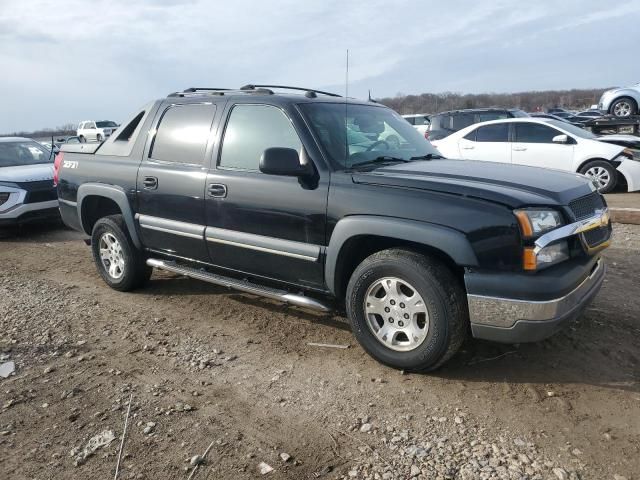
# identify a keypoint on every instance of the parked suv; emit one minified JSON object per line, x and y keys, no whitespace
{"x":296,"y":197}
{"x":90,"y":131}
{"x":27,"y":192}
{"x":446,"y":123}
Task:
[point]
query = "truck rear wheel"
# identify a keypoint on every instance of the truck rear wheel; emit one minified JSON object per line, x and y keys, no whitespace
{"x":407,"y":310}
{"x":120,"y":264}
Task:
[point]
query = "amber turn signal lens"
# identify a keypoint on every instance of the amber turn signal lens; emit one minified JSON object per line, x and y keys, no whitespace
{"x":525,"y":224}
{"x":529,"y":260}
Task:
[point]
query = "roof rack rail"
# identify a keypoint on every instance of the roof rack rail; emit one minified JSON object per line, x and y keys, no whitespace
{"x":308,"y":91}
{"x":217,"y":91}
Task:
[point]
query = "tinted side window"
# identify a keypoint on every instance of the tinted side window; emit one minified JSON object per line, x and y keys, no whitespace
{"x":252,"y":129}
{"x":493,"y":133}
{"x":534,"y":133}
{"x":182,"y":134}
{"x":462,"y":120}
{"x":486,"y":116}
{"x":411,"y":120}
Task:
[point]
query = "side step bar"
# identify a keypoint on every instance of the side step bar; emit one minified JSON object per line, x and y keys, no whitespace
{"x":243,"y":286}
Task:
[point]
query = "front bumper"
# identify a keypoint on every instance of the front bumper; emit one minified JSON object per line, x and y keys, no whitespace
{"x":17,"y":209}
{"x":519,"y":319}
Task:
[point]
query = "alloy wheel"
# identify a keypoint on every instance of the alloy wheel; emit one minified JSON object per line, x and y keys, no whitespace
{"x":396,"y":314}
{"x":600,"y":175}
{"x":622,"y":109}
{"x":111,"y":255}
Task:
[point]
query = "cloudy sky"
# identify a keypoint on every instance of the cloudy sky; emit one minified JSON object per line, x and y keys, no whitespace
{"x":68,"y":60}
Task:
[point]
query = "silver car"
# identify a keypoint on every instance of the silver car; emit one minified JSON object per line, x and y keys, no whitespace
{"x":621,"y":102}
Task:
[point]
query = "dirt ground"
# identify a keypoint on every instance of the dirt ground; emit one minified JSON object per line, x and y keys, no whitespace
{"x":204,"y":365}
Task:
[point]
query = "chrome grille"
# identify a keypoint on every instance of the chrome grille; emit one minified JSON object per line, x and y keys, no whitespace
{"x":585,"y":207}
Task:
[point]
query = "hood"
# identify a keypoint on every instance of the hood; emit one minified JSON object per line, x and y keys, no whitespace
{"x":27,"y":173}
{"x":512,"y":185}
{"x":630,"y":141}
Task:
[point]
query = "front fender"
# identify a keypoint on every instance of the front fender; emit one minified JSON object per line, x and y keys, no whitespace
{"x":451,"y":242}
{"x":118,"y":195}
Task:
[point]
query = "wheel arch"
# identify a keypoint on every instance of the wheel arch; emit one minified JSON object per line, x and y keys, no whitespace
{"x":97,"y":200}
{"x":626,"y":94}
{"x":355,"y":238}
{"x":584,"y":163}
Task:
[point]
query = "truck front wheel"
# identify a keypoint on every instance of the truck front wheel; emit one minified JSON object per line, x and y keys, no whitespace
{"x":406,"y":309}
{"x":120,"y":264}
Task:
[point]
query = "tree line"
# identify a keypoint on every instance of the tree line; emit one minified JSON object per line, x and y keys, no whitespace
{"x":576,"y":99}
{"x":65,"y":130}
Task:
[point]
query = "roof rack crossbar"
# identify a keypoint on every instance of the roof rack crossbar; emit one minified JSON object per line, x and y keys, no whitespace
{"x":253,"y":87}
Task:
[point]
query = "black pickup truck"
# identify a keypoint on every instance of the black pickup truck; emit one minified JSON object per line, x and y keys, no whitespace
{"x":327,"y":203}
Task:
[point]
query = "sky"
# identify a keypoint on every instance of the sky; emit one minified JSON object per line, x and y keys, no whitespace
{"x":65,"y":61}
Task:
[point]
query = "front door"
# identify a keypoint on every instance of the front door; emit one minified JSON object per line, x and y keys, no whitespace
{"x":171,"y":182}
{"x":533,"y":146}
{"x":264,"y":225}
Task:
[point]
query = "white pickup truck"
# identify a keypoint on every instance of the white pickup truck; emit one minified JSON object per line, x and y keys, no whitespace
{"x":90,"y":131}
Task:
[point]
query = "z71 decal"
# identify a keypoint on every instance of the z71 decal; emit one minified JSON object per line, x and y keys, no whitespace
{"x":69,"y":164}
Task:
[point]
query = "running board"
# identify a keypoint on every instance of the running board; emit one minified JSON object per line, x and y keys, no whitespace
{"x":242,"y":285}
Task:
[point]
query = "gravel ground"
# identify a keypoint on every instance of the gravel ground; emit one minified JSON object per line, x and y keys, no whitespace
{"x":206,"y":367}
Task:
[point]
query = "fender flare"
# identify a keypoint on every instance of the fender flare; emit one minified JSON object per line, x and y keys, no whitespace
{"x":452,"y":242}
{"x":118,"y":195}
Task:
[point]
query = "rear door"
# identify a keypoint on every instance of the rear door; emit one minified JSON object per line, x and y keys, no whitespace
{"x":489,"y":143}
{"x":171,"y":181}
{"x":533,"y":145}
{"x":265,"y":225}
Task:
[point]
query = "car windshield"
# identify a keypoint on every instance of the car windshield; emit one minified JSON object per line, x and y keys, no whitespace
{"x":354,"y":135}
{"x":106,"y":124}
{"x":519,"y":113}
{"x":13,"y":154}
{"x":572,"y":129}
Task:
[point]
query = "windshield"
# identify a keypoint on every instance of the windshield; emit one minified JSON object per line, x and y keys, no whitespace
{"x":353,"y":135}
{"x":572,"y":129}
{"x":106,"y":124}
{"x":13,"y":154}
{"x":519,"y":114}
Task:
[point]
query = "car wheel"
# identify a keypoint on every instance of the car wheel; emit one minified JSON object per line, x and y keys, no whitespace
{"x":407,"y":310}
{"x":624,"y":107}
{"x":120,"y":264}
{"x":99,"y":138}
{"x":82,"y":139}
{"x":602,"y":173}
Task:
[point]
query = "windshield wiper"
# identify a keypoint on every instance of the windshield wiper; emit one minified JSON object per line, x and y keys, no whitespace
{"x":428,"y":156}
{"x":381,"y":159}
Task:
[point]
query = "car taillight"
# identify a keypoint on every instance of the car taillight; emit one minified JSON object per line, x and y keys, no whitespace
{"x":56,"y":167}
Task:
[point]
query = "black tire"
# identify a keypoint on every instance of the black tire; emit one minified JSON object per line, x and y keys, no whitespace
{"x":596,"y":166}
{"x":82,"y":139}
{"x":135,"y":272}
{"x":617,"y":111}
{"x":99,"y":138}
{"x":443,"y":296}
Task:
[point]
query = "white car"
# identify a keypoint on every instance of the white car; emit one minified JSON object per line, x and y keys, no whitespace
{"x":420,"y":121}
{"x":90,"y":131}
{"x":548,"y":144}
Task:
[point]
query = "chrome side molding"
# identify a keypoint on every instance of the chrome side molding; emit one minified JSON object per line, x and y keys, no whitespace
{"x":241,"y":285}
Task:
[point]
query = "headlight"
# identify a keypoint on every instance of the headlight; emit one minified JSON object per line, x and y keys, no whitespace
{"x":535,"y":222}
{"x":4,"y":196}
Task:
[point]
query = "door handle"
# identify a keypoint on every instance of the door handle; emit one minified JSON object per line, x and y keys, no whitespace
{"x":519,"y":149}
{"x":468,"y":147}
{"x":217,"y":190}
{"x":150,"y":183}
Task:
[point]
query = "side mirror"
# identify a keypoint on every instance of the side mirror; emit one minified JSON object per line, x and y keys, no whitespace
{"x":560,"y":139}
{"x":283,"y":161}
